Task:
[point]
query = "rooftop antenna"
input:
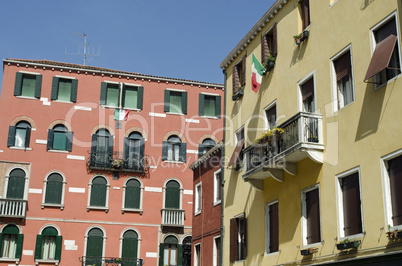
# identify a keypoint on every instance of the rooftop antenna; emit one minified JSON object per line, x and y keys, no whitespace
{"x":87,"y":49}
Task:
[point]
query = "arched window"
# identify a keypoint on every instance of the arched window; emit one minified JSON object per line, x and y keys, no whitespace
{"x":94,"y":252}
{"x":19,"y":135}
{"x":206,"y":145}
{"x":48,"y":245}
{"x":11,"y":242}
{"x":98,"y":193}
{"x":130,"y":245}
{"x":132,"y":196}
{"x":59,"y":138}
{"x":102,"y":149}
{"x":16,"y":184}
{"x":172,"y":195}
{"x":170,"y":252}
{"x":134,"y":151}
{"x":174,"y":150}
{"x":54,"y":189}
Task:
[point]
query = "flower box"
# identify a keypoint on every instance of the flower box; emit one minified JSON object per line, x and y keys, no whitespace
{"x":348,"y":245}
{"x":301,"y":37}
{"x":308,"y":251}
{"x":238,"y":94}
{"x":394,"y":235}
{"x":269,"y":64}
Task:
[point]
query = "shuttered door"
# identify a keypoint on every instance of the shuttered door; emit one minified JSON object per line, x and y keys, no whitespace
{"x":130,"y":245}
{"x":172,"y":200}
{"x":313,"y":216}
{"x":234,"y":246}
{"x":54,"y":188}
{"x":98,"y":192}
{"x":305,"y":6}
{"x":16,"y":184}
{"x":351,"y":205}
{"x":395,"y":180}
{"x":273,"y":228}
{"x":94,"y":248}
{"x":133,"y":190}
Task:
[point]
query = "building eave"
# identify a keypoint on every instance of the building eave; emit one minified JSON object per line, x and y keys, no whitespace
{"x":250,"y":36}
{"x":206,"y":156}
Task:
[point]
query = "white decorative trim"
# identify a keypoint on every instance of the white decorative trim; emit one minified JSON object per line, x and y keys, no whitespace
{"x":153,"y":166}
{"x":27,"y":72}
{"x":151,"y":255}
{"x":41,"y":141}
{"x":196,"y":121}
{"x":169,"y":89}
{"x":211,"y":94}
{"x":157,"y":114}
{"x":65,"y":77}
{"x":21,"y":148}
{"x":76,"y":157}
{"x":153,"y":189}
{"x":35,"y":191}
{"x":27,"y":252}
{"x":188,"y":192}
{"x":82,"y":108}
{"x":116,"y":188}
{"x":76,"y":190}
{"x":192,"y":151}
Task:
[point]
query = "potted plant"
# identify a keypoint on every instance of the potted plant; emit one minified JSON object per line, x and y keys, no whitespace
{"x":238,"y":94}
{"x":117,"y":163}
{"x":269,"y":136}
{"x":269,"y":63}
{"x":313,"y":139}
{"x":301,"y":37}
{"x":308,"y":251}
{"x":347,"y":244}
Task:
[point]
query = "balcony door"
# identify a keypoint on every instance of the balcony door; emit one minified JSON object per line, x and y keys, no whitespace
{"x":134,"y":151}
{"x":16,"y":184}
{"x":94,"y":247}
{"x":172,"y":195}
{"x":102,"y":148}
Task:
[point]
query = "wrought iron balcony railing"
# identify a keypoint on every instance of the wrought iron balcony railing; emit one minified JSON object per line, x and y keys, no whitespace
{"x":118,"y":162}
{"x":13,"y":208}
{"x":302,"y":137}
{"x":172,"y":217}
{"x":110,"y":261}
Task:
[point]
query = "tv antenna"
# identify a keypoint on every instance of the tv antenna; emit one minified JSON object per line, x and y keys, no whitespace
{"x":89,"y":50}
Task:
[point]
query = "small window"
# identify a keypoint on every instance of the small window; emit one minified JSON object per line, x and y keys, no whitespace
{"x":271,"y":228}
{"x":209,"y":105}
{"x":172,"y":195}
{"x":130,"y":246}
{"x":59,"y":138}
{"x":238,"y":239}
{"x":307,"y":93}
{"x":206,"y":145}
{"x":174,"y":150}
{"x":269,"y":46}
{"x":311,"y":216}
{"x":270,"y":114}
{"x":48,"y":245}
{"x":54,"y":189}
{"x":217,"y":251}
{"x":239,"y":75}
{"x":198,"y":199}
{"x":305,"y":13}
{"x":217,"y":187}
{"x":350,"y":205}
{"x":16,"y":184}
{"x":175,"y":102}
{"x":344,"y":79}
{"x":19,"y":135}
{"x":237,"y":156}
{"x":98,"y":192}
{"x":393,"y":174}
{"x":64,"y":89}
{"x":197,"y":255}
{"x":28,"y":85}
{"x":121,"y":95}
{"x":134,"y":151}
{"x":132,"y":195}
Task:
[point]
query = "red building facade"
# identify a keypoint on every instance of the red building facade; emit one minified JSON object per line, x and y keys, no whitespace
{"x":206,"y":242}
{"x":94,"y":163}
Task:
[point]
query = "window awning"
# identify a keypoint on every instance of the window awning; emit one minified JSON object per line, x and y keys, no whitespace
{"x":381,"y":56}
{"x":236,"y":153}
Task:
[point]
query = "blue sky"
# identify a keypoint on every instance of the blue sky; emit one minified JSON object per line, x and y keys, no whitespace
{"x":185,"y":39}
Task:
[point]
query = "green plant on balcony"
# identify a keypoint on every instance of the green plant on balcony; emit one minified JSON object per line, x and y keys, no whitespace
{"x":269,"y":63}
{"x":117,"y":163}
{"x":347,"y":244}
{"x":269,"y":136}
{"x":238,"y":94}
{"x":301,"y":37}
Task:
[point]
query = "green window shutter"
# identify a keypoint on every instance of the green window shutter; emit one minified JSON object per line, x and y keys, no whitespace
{"x":103,"y":93}
{"x":179,"y":255}
{"x":27,"y":137}
{"x":201,"y":105}
{"x":164,"y":150}
{"x":161,"y":250}
{"x":130,"y":246}
{"x":38,"y":86}
{"x":126,"y":150}
{"x":11,"y":136}
{"x":74,"y":87}
{"x":1,"y":241}
{"x":50,"y":139}
{"x":166,"y":107}
{"x":55,"y":88}
{"x":184,"y":102}
{"x":59,"y":245}
{"x":98,"y":195}
{"x":133,"y":197}
{"x":54,"y":191}
{"x":15,"y":189}
{"x":172,"y":198}
{"x":218,"y":106}
{"x":123,"y":96}
{"x":38,"y":247}
{"x":18,"y":84}
{"x":69,"y":144}
{"x":183,"y":152}
{"x":200,"y":150}
{"x":142,"y":148}
{"x":94,"y":246}
{"x":93,"y":143}
{"x":18,"y":250}
{"x":140,"y":97}
{"x":110,"y":147}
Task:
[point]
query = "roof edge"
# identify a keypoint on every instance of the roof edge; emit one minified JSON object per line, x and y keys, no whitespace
{"x":206,"y":156}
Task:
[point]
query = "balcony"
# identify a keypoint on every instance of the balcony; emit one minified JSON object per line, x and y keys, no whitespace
{"x":110,"y":261}
{"x":173,"y":217}
{"x":302,"y":138}
{"x":116,"y":162}
{"x":13,"y":208}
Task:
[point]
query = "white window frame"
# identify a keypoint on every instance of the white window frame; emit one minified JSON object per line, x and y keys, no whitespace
{"x":215,"y":250}
{"x":387,"y":191}
{"x":237,"y":133}
{"x":340,"y":208}
{"x":26,"y":184}
{"x":267,"y":225}
{"x":196,"y":262}
{"x":198,"y":199}
{"x":56,"y":262}
{"x":374,"y":44}
{"x":304,"y":215}
{"x":121,"y":240}
{"x":61,"y":205}
{"x":86,"y":239}
{"x":217,"y":186}
{"x":106,"y":207}
{"x":123,"y":208}
{"x":266,"y":122}
{"x":181,"y":192}
{"x":334,"y":82}
{"x":309,"y":76}
{"x":120,"y":105}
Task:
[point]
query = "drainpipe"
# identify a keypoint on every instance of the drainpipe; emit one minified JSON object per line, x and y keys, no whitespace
{"x":223,"y":167}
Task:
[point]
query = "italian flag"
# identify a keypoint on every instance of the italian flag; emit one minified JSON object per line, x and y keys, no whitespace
{"x":257,"y":70}
{"x":120,"y":114}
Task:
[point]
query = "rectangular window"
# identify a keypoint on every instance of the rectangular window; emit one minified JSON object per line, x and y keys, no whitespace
{"x":269,"y":46}
{"x":238,"y":239}
{"x":209,"y":105}
{"x":64,"y":89}
{"x":270,"y":115}
{"x":344,"y":79}
{"x":271,"y":228}
{"x":217,"y":251}
{"x":307,"y":92}
{"x":311,"y":216}
{"x":217,"y":187}
{"x":239,"y":75}
{"x":122,"y":95}
{"x":237,"y":156}
{"x":198,"y":199}
{"x":305,"y":13}
{"x":349,"y":201}
{"x":28,"y":85}
{"x":197,"y":255}
{"x":175,"y":102}
{"x":393,"y":182}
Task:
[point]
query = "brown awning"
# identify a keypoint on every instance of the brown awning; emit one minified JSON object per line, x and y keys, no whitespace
{"x":307,"y":89}
{"x":236,"y":153}
{"x":381,"y":56}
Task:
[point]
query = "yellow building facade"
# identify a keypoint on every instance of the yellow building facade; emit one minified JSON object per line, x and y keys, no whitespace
{"x":314,"y":156}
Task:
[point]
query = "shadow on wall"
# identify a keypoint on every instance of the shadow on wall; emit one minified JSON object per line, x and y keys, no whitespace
{"x":298,"y":52}
{"x":365,"y":4}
